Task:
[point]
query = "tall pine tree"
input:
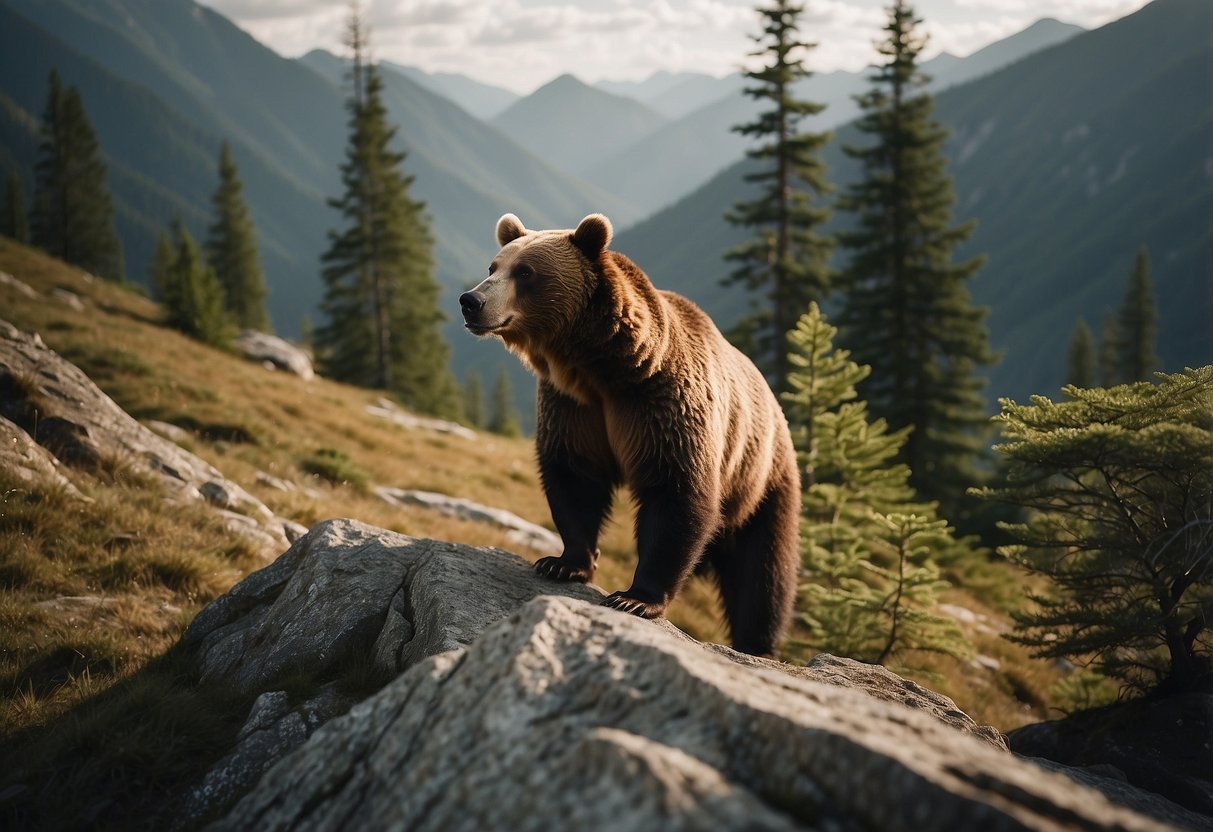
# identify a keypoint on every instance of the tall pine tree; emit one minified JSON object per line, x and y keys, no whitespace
{"x":73,"y":217}
{"x":231,"y":249}
{"x":1110,"y":373}
{"x":381,"y":299}
{"x":1137,"y":324}
{"x":1080,"y":357}
{"x":907,"y":311}
{"x":504,"y":418}
{"x":13,"y":221}
{"x":786,"y":262}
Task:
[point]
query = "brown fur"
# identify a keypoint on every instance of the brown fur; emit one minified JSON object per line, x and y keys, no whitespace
{"x":638,"y":387}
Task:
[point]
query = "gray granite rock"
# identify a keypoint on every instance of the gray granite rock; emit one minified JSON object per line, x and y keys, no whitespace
{"x":61,"y":410}
{"x":569,"y":715}
{"x":280,"y":354}
{"x":520,"y":533}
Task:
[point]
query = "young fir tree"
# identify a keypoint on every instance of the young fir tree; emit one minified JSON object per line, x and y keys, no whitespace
{"x":786,"y":262}
{"x":13,"y":222}
{"x":193,"y":295}
{"x":73,"y":217}
{"x":1109,"y":352}
{"x":381,"y":299}
{"x":504,"y":418}
{"x":867,"y":543}
{"x":1137,"y":324}
{"x":1080,"y":357}
{"x":231,"y":249}
{"x":473,"y":400}
{"x":1119,"y":486}
{"x":907,"y":311}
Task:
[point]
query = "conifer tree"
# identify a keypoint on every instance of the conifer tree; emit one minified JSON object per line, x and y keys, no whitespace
{"x":1118,"y":483}
{"x":786,"y":262}
{"x":13,"y":222}
{"x":504,"y":418}
{"x":193,"y":295}
{"x":231,"y":249}
{"x":1080,"y":358}
{"x":1110,"y":352}
{"x":867,"y":543}
{"x":907,"y":312}
{"x":159,"y":270}
{"x":381,"y":299}
{"x":1137,"y":324}
{"x":73,"y":216}
{"x":473,"y":399}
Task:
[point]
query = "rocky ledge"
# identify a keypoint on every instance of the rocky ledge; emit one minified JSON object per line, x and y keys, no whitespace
{"x":513,"y":702}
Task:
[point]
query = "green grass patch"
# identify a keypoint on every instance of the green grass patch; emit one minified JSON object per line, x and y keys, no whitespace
{"x":336,"y":467}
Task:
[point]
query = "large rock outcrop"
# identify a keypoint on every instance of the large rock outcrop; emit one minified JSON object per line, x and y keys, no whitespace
{"x":517,"y":702}
{"x":60,"y":409}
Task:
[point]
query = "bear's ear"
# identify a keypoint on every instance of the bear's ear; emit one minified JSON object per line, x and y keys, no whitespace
{"x":509,"y":228}
{"x":593,"y":235}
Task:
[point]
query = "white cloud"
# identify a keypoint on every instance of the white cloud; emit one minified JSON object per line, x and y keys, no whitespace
{"x":523,"y":43}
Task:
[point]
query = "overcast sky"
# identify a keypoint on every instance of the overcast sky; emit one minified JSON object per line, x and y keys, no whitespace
{"x":520,"y":44}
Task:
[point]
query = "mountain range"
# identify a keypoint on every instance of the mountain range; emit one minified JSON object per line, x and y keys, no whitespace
{"x":1071,"y":147}
{"x":1071,"y":159}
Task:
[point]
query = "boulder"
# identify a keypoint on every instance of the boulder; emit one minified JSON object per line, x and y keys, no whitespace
{"x":570,"y":715}
{"x":280,"y":354}
{"x":386,"y":409}
{"x":519,"y":702}
{"x":32,"y":464}
{"x":1162,"y":744}
{"x":17,"y":285}
{"x":59,"y":408}
{"x":521,"y":533}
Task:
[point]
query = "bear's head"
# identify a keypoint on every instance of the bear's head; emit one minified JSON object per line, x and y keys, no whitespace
{"x":538,"y":283}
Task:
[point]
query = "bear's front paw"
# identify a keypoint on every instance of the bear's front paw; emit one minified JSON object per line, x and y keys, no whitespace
{"x":633,"y":606}
{"x":561,"y":569}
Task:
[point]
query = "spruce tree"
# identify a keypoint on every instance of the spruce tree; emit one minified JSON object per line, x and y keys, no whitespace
{"x":473,"y":399}
{"x":504,"y":418}
{"x":231,"y":249}
{"x":1118,"y":483}
{"x":193,"y":295}
{"x":1110,"y":340}
{"x":13,"y":222}
{"x":159,"y":270}
{"x":867,"y":542}
{"x":786,"y":262}
{"x":73,"y":216}
{"x":907,"y":312}
{"x":1080,"y":358}
{"x":381,"y":299}
{"x":1137,"y":324}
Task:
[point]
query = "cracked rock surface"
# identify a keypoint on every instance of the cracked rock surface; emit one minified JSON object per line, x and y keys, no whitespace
{"x":521,"y":703}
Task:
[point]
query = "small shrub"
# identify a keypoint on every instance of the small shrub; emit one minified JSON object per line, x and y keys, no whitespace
{"x":336,"y":467}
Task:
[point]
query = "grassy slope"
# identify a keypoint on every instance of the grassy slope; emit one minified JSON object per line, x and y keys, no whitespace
{"x":73,"y":678}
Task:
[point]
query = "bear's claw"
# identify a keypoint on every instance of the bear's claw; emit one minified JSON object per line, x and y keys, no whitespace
{"x":559,"y":569}
{"x":633,"y":606}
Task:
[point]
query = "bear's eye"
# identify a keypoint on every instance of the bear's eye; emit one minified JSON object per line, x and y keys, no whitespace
{"x":523,"y":272}
{"x":492,"y":268}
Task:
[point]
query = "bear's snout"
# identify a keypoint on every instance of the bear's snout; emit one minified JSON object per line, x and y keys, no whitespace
{"x":471,"y":303}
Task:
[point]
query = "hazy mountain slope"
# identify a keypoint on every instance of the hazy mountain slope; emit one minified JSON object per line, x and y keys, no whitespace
{"x":575,"y":125}
{"x":1040,"y":35}
{"x":1067,"y":180}
{"x":481,"y":100}
{"x":672,"y":161}
{"x":160,"y":164}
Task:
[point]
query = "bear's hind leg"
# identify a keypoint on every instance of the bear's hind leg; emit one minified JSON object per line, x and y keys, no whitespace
{"x":756,"y":567}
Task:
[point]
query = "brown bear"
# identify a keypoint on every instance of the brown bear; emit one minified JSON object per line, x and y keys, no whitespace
{"x":638,"y":387}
